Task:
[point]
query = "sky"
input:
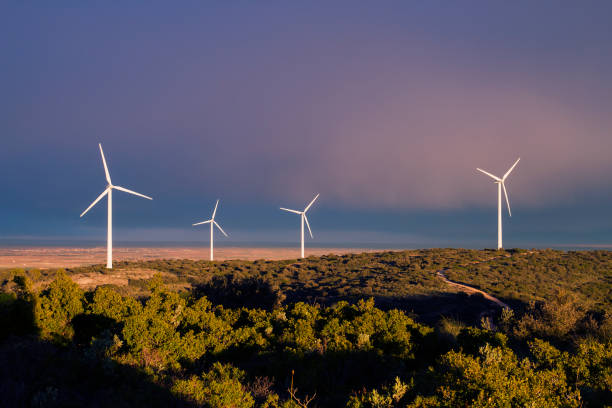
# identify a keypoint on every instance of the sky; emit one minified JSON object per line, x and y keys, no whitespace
{"x":384,"y":108}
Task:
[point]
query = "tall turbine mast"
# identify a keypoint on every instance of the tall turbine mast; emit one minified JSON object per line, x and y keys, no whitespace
{"x":303,"y":219}
{"x":212,"y":223}
{"x":501,"y":186}
{"x":109,"y":192}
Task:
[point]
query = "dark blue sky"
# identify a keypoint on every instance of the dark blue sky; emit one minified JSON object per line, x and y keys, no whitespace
{"x":386,"y":110}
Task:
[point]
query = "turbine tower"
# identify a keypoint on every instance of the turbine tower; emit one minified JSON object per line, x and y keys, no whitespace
{"x":109,"y":192}
{"x":212,"y":223}
{"x":501,"y":185}
{"x":303,"y":218}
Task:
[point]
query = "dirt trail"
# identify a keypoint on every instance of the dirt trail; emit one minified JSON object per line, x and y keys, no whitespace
{"x":470,"y":289}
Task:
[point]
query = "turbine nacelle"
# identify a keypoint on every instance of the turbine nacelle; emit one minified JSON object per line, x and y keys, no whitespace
{"x":213,"y":224}
{"x":304,"y":219}
{"x":108,"y":192}
{"x":501,"y":186}
{"x":212,"y":220}
{"x":303,"y":213}
{"x":501,"y":181}
{"x":110,"y":185}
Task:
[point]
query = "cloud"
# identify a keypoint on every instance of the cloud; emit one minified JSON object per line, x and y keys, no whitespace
{"x":413,"y":140}
{"x":390,"y":113}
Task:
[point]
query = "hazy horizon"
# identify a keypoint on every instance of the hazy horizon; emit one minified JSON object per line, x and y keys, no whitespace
{"x":24,"y":243}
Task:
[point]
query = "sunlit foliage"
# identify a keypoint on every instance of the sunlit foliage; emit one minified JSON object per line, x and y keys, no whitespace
{"x":183,"y":348}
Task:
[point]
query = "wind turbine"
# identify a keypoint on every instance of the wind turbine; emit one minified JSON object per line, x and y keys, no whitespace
{"x":109,"y":192}
{"x":303,"y":218}
{"x":212,"y":223}
{"x":501,"y":185}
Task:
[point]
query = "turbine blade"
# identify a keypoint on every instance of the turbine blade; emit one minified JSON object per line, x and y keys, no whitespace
{"x":104,"y":162}
{"x":293,"y":211}
{"x":215,"y":210}
{"x":506,"y":194}
{"x":203,"y":222}
{"x":511,"y":168}
{"x":489,"y":174}
{"x":95,"y":201}
{"x":220,"y":229}
{"x":311,"y":203}
{"x":308,"y":225}
{"x":132,"y":192}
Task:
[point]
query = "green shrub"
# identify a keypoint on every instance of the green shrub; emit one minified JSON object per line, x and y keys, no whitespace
{"x":58,"y":305}
{"x":388,"y":397}
{"x":497,"y":378}
{"x":220,"y":387}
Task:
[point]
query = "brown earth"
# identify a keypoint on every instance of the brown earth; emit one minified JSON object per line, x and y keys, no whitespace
{"x":471,"y":290}
{"x":47,"y":257}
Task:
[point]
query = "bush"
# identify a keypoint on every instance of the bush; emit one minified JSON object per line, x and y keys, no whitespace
{"x":553,"y":319}
{"x":57,"y":306}
{"x":497,"y":378}
{"x":220,"y":387}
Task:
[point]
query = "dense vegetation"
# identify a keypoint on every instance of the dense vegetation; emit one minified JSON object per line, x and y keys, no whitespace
{"x":406,"y":280}
{"x":282,"y":334}
{"x":539,"y":275}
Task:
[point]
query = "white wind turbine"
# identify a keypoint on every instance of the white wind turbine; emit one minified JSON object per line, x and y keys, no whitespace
{"x":501,"y":185}
{"x":212,"y":223}
{"x":303,"y":218}
{"x":109,"y":191}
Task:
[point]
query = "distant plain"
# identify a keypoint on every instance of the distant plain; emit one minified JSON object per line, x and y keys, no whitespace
{"x":65,"y":257}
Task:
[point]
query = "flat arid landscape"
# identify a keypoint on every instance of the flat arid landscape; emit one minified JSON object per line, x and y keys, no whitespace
{"x":54,"y":257}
